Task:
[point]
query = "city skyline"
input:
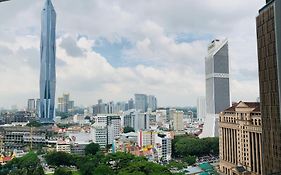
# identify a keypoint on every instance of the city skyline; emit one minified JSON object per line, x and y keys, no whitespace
{"x":120,"y":60}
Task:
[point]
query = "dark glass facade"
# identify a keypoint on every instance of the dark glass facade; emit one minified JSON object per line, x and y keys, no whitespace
{"x":269,"y":59}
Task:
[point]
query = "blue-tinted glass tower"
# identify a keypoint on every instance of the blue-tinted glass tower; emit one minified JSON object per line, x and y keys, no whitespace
{"x":48,"y":63}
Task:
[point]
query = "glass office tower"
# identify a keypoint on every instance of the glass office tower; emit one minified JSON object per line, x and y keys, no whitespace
{"x":217,"y":85}
{"x":48,"y":63}
{"x":269,"y":59}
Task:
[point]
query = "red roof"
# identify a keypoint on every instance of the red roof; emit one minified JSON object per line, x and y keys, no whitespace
{"x":7,"y":159}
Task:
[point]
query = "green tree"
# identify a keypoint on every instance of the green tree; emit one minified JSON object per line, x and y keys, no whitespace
{"x":92,"y":149}
{"x":103,"y":170}
{"x":144,"y":168}
{"x":60,"y":159}
{"x":190,"y":160}
{"x":62,"y":171}
{"x":185,"y":145}
{"x":128,"y":129}
{"x":26,"y":165}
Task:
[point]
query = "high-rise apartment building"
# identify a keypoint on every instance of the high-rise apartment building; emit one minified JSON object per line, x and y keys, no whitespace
{"x":177,"y":120}
{"x":141,"y":102}
{"x":269,"y":60}
{"x":48,"y":63}
{"x":217,"y":85}
{"x":201,"y":108}
{"x":240,"y":139}
{"x":108,"y":126}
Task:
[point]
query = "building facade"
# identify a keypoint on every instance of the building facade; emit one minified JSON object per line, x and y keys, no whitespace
{"x":141,"y":102}
{"x":269,"y":60}
{"x":240,"y":139}
{"x":178,"y":120}
{"x":217,"y":85}
{"x":152,"y":103}
{"x":48,"y":63}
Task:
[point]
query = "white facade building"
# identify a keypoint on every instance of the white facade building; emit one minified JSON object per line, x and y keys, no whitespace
{"x":99,"y":131}
{"x":163,"y":144}
{"x":178,"y":124}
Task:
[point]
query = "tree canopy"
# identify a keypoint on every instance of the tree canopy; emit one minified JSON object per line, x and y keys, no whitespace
{"x":184,"y":146}
{"x":128,"y":129}
{"x":26,"y":165}
{"x":92,"y":149}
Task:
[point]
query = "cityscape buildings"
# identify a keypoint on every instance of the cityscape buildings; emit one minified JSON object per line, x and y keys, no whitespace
{"x":48,"y":63}
{"x":240,"y":139}
{"x":65,"y":104}
{"x":217,"y":85}
{"x":268,"y":24}
{"x":144,"y":102}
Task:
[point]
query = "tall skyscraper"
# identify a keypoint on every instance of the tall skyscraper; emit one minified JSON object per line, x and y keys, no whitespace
{"x":217,"y":85}
{"x":141,"y":102}
{"x":131,"y":104}
{"x":48,"y":63}
{"x":201,"y":109}
{"x":152,"y":102}
{"x":269,"y":59}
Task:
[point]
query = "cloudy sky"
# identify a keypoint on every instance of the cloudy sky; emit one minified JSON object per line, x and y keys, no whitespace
{"x":111,"y":49}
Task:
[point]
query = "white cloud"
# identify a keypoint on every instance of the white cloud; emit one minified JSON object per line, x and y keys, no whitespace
{"x":174,"y":71}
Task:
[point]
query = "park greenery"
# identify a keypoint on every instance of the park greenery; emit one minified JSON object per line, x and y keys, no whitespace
{"x":26,"y":165}
{"x":110,"y":164}
{"x":185,"y":151}
{"x":188,"y":148}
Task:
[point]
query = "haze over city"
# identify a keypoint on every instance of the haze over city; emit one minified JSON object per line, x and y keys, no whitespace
{"x":113,"y":49}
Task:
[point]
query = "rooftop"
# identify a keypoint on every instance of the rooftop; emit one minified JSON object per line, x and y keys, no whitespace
{"x":254,"y":105}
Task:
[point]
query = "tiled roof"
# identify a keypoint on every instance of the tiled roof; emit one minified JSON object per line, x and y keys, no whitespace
{"x":255,"y":105}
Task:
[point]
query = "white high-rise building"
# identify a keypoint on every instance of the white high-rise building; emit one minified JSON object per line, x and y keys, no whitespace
{"x":217,"y":85}
{"x":164,"y":147}
{"x":201,"y":108}
{"x":112,"y":124}
{"x":177,"y":120}
{"x":99,"y":132}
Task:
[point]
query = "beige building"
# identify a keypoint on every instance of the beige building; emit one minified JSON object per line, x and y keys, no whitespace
{"x":240,"y":139}
{"x":178,"y":120}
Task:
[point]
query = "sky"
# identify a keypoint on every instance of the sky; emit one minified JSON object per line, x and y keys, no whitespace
{"x":112,"y":49}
